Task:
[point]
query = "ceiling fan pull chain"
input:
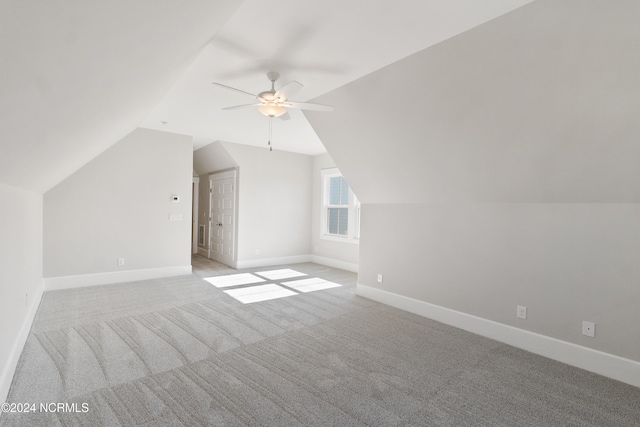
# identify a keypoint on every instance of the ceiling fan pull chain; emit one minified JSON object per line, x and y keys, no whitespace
{"x":269,"y":142}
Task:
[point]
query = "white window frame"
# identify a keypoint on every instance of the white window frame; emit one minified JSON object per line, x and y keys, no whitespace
{"x":353,"y":224}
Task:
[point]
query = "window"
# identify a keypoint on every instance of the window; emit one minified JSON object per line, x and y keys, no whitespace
{"x":340,"y":209}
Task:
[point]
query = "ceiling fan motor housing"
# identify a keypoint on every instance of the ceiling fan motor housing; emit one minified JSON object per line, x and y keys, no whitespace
{"x":268,"y":96}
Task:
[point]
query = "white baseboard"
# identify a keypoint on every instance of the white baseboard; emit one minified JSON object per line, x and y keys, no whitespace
{"x":9,"y":370}
{"x":82,"y":280}
{"x":267,"y":262}
{"x":330,"y":262}
{"x":295,"y":259}
{"x":608,"y":365}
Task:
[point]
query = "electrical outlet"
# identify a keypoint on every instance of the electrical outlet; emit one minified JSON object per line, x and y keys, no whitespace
{"x":379,"y":277}
{"x":589,"y":329}
{"x":120,"y":261}
{"x":521,"y":312}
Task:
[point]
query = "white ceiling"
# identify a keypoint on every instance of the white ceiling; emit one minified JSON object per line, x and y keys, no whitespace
{"x":321,"y":44}
{"x":77,"y":76}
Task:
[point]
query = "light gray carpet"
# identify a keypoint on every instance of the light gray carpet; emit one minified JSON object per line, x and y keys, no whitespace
{"x":179,"y":351}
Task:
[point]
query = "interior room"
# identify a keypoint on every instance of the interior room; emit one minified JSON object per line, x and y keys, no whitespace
{"x":312,"y":213}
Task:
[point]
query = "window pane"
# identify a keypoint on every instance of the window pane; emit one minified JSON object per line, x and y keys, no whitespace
{"x":337,"y":221}
{"x":343,"y":221}
{"x":335,"y":186}
{"x":332,"y":221}
{"x":338,"y":191}
{"x":344,"y":193}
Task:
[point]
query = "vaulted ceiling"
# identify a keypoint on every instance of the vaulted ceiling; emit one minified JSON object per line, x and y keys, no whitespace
{"x":78,"y":76}
{"x":537,"y":106}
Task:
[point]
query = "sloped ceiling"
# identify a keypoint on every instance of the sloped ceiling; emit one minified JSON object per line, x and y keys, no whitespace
{"x":540,"y":105}
{"x":77,"y":76}
{"x":322,"y":44}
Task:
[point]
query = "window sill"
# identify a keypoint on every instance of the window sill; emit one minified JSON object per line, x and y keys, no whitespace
{"x":340,"y":239}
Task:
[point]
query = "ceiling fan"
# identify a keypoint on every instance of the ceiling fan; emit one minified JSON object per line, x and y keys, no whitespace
{"x":274,"y":103}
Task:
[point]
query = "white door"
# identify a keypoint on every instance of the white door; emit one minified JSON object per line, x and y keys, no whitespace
{"x":222,"y":190}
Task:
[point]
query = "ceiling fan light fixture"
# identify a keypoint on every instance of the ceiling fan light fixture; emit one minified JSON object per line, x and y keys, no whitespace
{"x":272,"y":109}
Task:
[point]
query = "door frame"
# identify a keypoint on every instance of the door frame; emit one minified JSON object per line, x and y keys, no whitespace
{"x":224,"y":174}
{"x":195,"y":191}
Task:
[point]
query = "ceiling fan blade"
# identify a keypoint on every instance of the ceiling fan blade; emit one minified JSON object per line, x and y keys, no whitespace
{"x":285,"y":116}
{"x":288,"y":90}
{"x":233,"y":88}
{"x":236,"y":107}
{"x":307,"y":106}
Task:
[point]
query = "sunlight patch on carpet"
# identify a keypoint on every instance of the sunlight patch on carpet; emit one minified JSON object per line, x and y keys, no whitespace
{"x":234,"y":280}
{"x":285,"y":273}
{"x":259,"y":293}
{"x":310,"y":285}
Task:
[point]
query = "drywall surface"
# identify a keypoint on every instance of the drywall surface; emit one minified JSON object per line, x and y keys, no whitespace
{"x":538,"y":105}
{"x":274,"y":202}
{"x":501,"y":168}
{"x":20,"y":273}
{"x":565,"y":262}
{"x":331,"y":249}
{"x":80,"y":76}
{"x":118,"y":206}
{"x":212,"y":158}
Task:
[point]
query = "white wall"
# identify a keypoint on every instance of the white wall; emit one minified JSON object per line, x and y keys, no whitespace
{"x":565,"y":262}
{"x":274,"y":200}
{"x":275,"y":204}
{"x":534,"y":106}
{"x":212,"y":158}
{"x":20,"y":274}
{"x":118,"y":206}
{"x":339,"y":254}
{"x":501,"y":168}
{"x":93,"y":72}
